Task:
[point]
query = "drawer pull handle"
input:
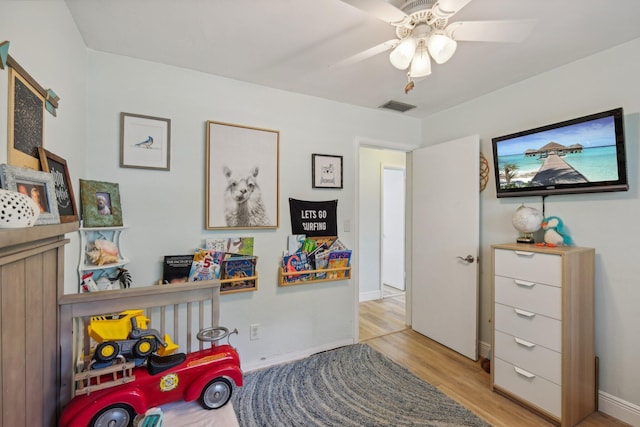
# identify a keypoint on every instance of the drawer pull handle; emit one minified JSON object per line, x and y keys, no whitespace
{"x":524,"y":343}
{"x":523,"y":313}
{"x":523,"y":283}
{"x":523,"y":253}
{"x":524,"y":373}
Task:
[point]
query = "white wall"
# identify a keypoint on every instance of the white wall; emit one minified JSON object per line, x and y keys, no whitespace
{"x":607,"y":222}
{"x":45,"y":42}
{"x":369,"y":216}
{"x":165,"y":210}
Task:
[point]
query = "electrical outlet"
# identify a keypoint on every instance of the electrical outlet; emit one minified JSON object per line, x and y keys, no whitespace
{"x":254,"y":332}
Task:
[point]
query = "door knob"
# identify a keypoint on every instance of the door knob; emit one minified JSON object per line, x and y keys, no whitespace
{"x":468,"y":259}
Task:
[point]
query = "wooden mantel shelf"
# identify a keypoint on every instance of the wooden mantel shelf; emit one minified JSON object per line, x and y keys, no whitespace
{"x":19,"y":236}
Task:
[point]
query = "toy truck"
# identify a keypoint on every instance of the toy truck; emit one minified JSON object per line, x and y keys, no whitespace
{"x":114,"y":396}
{"x":127,"y":334}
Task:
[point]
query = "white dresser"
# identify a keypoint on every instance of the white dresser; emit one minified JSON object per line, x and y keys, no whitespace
{"x":543,"y":329}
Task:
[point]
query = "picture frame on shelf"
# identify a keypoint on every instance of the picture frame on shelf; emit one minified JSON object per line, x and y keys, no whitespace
{"x":145,"y":142}
{"x":57,"y":167}
{"x":100,"y":203}
{"x":38,"y":185}
{"x":326,"y":171}
{"x":241,"y":158}
{"x":25,"y":122}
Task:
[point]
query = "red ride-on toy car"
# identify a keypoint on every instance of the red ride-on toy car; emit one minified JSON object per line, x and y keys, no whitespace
{"x":113,"y":396}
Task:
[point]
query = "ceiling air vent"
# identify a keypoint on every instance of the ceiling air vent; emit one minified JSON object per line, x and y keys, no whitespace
{"x":397,"y":106}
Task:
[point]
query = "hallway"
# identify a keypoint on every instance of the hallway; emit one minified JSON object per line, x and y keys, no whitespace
{"x":382,"y":317}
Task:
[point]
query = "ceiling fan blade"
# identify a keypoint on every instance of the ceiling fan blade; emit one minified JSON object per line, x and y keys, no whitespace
{"x":380,"y":9}
{"x":366,"y":54}
{"x":448,"y":8}
{"x":491,"y":31}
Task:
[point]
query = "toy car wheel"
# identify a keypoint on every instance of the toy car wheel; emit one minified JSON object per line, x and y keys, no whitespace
{"x":144,"y":347}
{"x":106,"y":351}
{"x":119,"y":415}
{"x":213,"y":334}
{"x":216,"y":394}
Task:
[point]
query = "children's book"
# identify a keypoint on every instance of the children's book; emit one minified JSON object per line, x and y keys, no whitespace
{"x":176,"y":268}
{"x":206,"y":265}
{"x":294,"y":263}
{"x":219,"y":245}
{"x":321,"y":261}
{"x":239,"y":266}
{"x":241,"y":245}
{"x":295,"y":242}
{"x":338,"y":259}
{"x":337,"y":245}
{"x":309,"y":245}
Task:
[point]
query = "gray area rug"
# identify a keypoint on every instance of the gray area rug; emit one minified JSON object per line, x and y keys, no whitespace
{"x":349,"y":386}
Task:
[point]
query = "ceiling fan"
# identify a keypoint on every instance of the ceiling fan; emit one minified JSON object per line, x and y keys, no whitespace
{"x":424,"y":32}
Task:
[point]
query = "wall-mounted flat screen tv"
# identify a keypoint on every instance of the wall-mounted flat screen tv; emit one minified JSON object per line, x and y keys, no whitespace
{"x":582,"y":155}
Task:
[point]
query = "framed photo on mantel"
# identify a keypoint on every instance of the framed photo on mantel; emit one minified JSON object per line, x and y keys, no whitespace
{"x":57,"y":167}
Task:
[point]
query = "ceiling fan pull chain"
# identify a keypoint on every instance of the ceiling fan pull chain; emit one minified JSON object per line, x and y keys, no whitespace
{"x":410,"y":83}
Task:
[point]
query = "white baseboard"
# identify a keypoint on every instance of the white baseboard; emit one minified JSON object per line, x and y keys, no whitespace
{"x":368,"y":296}
{"x":265,"y":362}
{"x":618,"y":408}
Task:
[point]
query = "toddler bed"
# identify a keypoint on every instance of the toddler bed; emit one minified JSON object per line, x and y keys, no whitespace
{"x":180,"y":310}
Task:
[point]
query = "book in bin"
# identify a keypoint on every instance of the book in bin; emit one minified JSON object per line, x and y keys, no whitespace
{"x":238,"y":267}
{"x":206,"y":265}
{"x":176,"y":268}
{"x":338,"y":259}
{"x":294,"y":263}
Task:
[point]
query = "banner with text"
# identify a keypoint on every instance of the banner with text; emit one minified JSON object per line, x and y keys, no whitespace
{"x":314,"y":218}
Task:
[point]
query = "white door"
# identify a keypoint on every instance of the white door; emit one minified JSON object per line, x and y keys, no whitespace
{"x":445,"y":232}
{"x":393,"y":230}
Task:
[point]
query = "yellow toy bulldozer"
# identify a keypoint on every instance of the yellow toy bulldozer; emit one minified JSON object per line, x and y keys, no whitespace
{"x":126,"y":334}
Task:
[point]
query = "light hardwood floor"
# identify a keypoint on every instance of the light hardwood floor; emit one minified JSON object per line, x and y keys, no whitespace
{"x":382,"y":327}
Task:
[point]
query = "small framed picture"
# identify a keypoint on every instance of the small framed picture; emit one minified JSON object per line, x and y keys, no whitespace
{"x":26,"y":122}
{"x":57,"y":167}
{"x":326,"y":171}
{"x":100,"y":204}
{"x":37,"y":185}
{"x":145,"y":142}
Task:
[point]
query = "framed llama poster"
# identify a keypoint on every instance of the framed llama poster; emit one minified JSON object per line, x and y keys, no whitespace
{"x":242,"y":177}
{"x":326,"y":171}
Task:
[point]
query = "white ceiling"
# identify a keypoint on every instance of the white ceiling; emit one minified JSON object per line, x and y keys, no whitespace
{"x":293,"y":45}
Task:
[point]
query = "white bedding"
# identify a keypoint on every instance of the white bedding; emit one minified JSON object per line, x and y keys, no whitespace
{"x":191,"y":414}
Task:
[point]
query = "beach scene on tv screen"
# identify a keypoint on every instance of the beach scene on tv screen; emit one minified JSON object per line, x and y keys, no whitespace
{"x":575,"y":154}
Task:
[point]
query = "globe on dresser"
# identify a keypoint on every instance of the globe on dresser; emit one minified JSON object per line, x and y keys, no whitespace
{"x":527,"y":221}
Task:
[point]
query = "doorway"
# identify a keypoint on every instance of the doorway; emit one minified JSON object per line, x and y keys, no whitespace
{"x":392,"y":243}
{"x":381,"y":167}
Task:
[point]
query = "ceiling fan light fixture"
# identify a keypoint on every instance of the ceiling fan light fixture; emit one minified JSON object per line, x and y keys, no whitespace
{"x":421,"y":63}
{"x":441,"y":47}
{"x":401,"y":56}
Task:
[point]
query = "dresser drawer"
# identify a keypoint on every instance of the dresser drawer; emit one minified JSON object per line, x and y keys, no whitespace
{"x":531,"y":296}
{"x":530,"y":356}
{"x":533,"y":388}
{"x":531,"y":266}
{"x":529,"y":326}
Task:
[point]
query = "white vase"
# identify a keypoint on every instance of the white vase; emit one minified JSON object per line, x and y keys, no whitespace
{"x":17,"y":210}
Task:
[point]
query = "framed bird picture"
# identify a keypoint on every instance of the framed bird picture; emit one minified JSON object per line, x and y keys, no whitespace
{"x":145,"y":142}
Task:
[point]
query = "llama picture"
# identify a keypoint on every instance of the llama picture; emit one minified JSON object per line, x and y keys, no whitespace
{"x":243,"y":205}
{"x":242,"y":177}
